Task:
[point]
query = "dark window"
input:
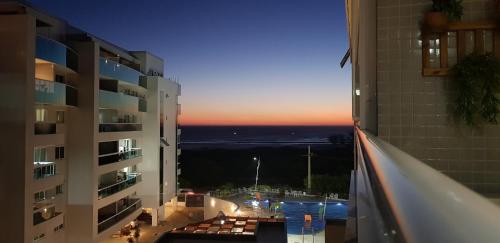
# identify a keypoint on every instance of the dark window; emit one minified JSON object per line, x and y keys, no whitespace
{"x":59,"y":189}
{"x":59,"y":152}
{"x":108,"y":147}
{"x":59,"y":79}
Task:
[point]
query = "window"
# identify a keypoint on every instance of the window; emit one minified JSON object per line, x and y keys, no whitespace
{"x":59,"y":152}
{"x":44,"y":170}
{"x":440,"y":51}
{"x":39,"y":237}
{"x":40,"y":154}
{"x":39,"y":196}
{"x":59,"y":79}
{"x":59,"y":189}
{"x":60,"y":116}
{"x":40,"y":114}
{"x":59,"y":227}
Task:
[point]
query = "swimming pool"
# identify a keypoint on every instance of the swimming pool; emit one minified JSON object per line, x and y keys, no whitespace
{"x":294,"y":213}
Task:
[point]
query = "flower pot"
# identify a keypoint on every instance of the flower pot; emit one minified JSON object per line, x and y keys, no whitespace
{"x":436,"y":21}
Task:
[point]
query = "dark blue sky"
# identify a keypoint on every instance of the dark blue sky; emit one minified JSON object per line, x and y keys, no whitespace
{"x":239,"y":61}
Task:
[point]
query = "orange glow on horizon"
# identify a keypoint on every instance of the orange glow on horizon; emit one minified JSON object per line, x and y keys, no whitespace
{"x":270,"y":120}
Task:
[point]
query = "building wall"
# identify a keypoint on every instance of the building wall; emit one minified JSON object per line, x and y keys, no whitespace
{"x":16,"y":126}
{"x":413,"y":110}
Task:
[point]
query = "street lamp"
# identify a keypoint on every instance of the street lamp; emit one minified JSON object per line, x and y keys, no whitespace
{"x":257,"y":175}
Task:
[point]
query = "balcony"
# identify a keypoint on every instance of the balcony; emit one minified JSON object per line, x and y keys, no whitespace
{"x":54,"y":93}
{"x":397,"y":198}
{"x":43,"y":128}
{"x":56,"y":52}
{"x":132,"y":179}
{"x":120,"y":156}
{"x":107,"y":220}
{"x":113,"y":70}
{"x":44,"y":214}
{"x":120,"y":101}
{"x":119,"y":127}
{"x":43,"y":170}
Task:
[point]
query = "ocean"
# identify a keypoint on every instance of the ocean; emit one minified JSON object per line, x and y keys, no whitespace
{"x":256,"y":136}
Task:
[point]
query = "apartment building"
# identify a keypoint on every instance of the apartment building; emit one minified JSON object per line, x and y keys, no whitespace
{"x":90,"y":133}
{"x":402,"y":86}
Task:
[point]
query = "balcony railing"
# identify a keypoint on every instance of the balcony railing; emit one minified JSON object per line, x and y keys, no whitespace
{"x":120,"y":156}
{"x":397,"y":198}
{"x":54,"y":93}
{"x":120,"y":127}
{"x":43,"y":128}
{"x":56,"y":52}
{"x":132,"y":179}
{"x":120,"y":101}
{"x":113,"y":70}
{"x":104,"y":224}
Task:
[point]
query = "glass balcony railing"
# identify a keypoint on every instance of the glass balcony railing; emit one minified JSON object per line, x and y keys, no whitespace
{"x":54,"y":93}
{"x":43,"y":170}
{"x":119,"y":101}
{"x":117,"y":157}
{"x":43,"y":128}
{"x":122,"y":212}
{"x":56,"y":52}
{"x":395,"y":197}
{"x":132,"y":179}
{"x":114,"y":70}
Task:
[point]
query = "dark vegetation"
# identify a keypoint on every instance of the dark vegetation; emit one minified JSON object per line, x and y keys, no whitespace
{"x":286,"y":166}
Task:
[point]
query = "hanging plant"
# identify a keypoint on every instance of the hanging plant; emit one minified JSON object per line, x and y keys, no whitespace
{"x":477,"y":81}
{"x":453,"y":9}
{"x":442,"y":12}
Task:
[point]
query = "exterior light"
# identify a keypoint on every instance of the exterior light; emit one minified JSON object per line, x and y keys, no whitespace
{"x":357,"y":92}
{"x":212,"y":202}
{"x":339,"y":204}
{"x":255,"y":158}
{"x":320,"y":204}
{"x":105,"y":60}
{"x":222,"y":222}
{"x":255,"y":203}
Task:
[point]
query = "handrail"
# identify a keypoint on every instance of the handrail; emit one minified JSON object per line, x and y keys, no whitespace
{"x":427,"y":206}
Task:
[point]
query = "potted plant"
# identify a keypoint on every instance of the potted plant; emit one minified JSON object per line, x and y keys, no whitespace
{"x":442,"y":12}
{"x":476,"y":81}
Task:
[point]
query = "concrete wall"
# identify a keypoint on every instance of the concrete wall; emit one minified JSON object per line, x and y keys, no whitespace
{"x":17,"y":67}
{"x":412,"y":109}
{"x":82,"y":149}
{"x":214,"y":205}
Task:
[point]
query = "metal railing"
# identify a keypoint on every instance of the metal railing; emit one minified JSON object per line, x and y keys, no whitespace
{"x":401,"y":199}
{"x":132,"y":179}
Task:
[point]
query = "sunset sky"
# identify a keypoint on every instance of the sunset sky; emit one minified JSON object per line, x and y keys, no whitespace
{"x":240,"y":62}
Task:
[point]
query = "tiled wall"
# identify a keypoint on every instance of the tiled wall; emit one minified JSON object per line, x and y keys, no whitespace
{"x":413,"y":110}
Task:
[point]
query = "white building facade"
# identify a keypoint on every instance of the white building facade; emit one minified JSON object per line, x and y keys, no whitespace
{"x":90,"y":131}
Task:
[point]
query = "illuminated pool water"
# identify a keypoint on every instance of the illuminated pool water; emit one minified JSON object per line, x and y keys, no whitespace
{"x":295,"y":211}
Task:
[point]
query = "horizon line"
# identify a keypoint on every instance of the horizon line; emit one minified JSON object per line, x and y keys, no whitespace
{"x":268,"y":125}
